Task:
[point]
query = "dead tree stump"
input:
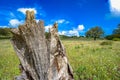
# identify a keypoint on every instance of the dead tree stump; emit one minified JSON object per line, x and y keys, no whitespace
{"x":40,"y":58}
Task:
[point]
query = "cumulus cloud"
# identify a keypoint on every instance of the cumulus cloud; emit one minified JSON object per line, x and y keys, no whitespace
{"x":80,"y":27}
{"x":62,"y":33}
{"x":73,"y":32}
{"x":70,"y":33}
{"x":14,"y":22}
{"x":23,"y":10}
{"x":115,"y":7}
{"x":48,"y":27}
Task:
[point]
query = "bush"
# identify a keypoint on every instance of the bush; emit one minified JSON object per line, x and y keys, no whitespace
{"x":109,"y":37}
{"x":106,"y":43}
{"x":5,"y":32}
{"x":116,"y":39}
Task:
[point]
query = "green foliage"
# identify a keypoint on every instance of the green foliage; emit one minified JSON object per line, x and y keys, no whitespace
{"x":116,"y":39}
{"x":95,"y":32}
{"x":109,"y":37}
{"x":106,"y":43}
{"x":5,"y":31}
{"x":113,"y":36}
{"x":116,"y":34}
{"x":117,"y":30}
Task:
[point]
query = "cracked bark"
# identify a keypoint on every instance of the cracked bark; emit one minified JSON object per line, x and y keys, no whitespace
{"x":40,"y":58}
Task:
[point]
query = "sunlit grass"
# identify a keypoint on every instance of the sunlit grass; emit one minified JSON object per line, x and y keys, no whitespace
{"x":92,"y":61}
{"x":89,"y":60}
{"x":8,"y":61}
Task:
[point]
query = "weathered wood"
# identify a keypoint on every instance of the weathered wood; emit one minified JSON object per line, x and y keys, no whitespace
{"x":41,"y":58}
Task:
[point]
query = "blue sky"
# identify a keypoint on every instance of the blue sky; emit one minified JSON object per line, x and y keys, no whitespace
{"x":74,"y":17}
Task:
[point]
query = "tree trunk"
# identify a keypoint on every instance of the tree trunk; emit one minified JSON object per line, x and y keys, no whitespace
{"x":40,"y":58}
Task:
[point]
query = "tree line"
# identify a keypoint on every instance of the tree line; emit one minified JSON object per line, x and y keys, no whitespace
{"x":5,"y":33}
{"x":94,"y":32}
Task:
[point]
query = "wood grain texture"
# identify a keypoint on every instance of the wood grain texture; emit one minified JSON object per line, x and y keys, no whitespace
{"x":40,"y":58}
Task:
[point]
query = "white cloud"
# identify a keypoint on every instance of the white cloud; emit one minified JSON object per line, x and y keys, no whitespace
{"x":60,"y":21}
{"x":15,"y":22}
{"x":37,"y":20}
{"x":115,"y":7}
{"x":70,"y":33}
{"x":23,"y":10}
{"x":62,"y":33}
{"x":74,"y":33}
{"x":81,"y":27}
{"x":48,"y":27}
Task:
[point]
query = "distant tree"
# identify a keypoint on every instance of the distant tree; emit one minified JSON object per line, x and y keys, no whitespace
{"x":95,"y":32}
{"x":117,"y":30}
{"x":115,"y":35}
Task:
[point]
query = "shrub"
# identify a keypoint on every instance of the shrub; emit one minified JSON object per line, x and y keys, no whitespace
{"x":5,"y":32}
{"x":109,"y":37}
{"x":116,"y":39}
{"x":106,"y":43}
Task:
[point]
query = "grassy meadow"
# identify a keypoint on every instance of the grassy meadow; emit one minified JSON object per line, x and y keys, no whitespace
{"x":90,"y":60}
{"x":9,"y":62}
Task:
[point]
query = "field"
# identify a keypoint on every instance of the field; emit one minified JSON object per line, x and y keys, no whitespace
{"x":90,"y":60}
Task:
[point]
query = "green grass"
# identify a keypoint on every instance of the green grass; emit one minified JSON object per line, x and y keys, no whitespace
{"x":8,"y":61}
{"x":89,"y":59}
{"x":92,"y":61}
